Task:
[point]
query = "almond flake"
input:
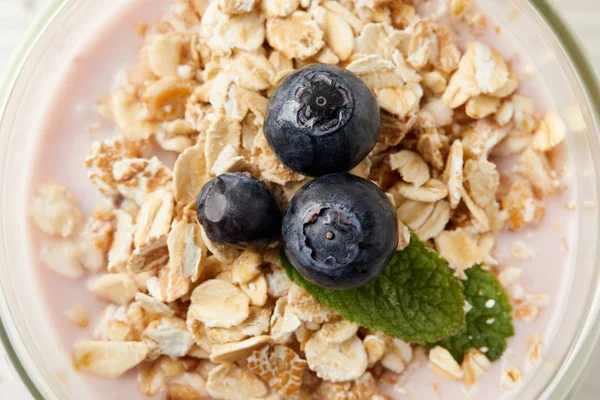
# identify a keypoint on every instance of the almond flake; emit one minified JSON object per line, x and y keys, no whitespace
{"x":138,"y":177}
{"x":415,"y":213}
{"x":442,"y":362}
{"x":164,"y":54}
{"x":219,"y":304}
{"x":236,"y":6}
{"x":223,"y":33}
{"x":535,"y":354}
{"x":122,"y":244}
{"x":280,"y":367}
{"x":223,"y":253}
{"x":256,"y":290}
{"x":522,"y":206}
{"x":479,"y":140}
{"x":337,"y":33}
{"x":511,"y":378}
{"x":232,"y":352}
{"x":283,"y":321}
{"x":431,"y":44}
{"x":480,"y":219}
{"x":397,"y":356}
{"x":296,"y":36}
{"x":377,"y":73}
{"x":474,"y":365}
{"x":55,"y":210}
{"x":169,"y":286}
{"x":402,"y":101}
{"x":524,"y":113}
{"x":155,"y":216}
{"x":170,"y":335}
{"x":188,"y":386}
{"x":458,"y":248}
{"x":279,"y":8}
{"x":438,"y":111}
{"x":481,"y":180}
{"x":430,"y":145}
{"x":222,"y":132}
{"x":342,"y":10}
{"x":186,"y":249}
{"x":94,"y":243}
{"x":375,"y":345}
{"x":278,"y":282}
{"x":481,"y":71}
{"x":108,"y":359}
{"x":336,"y":362}
{"x":79,"y":316}
{"x":152,"y":376}
{"x":166,"y":98}
{"x":536,"y":169}
{"x":189,"y":175}
{"x":403,"y":236}
{"x":230,"y":382}
{"x":270,"y":167}
{"x":60,"y":255}
{"x":251,"y":71}
{"x":436,"y":222}
{"x":411,"y":167}
{"x":126,"y":108}
{"x":246,"y":267}
{"x":117,"y":288}
{"x":509,"y":276}
{"x":550,"y":133}
{"x":453,"y":173}
{"x":152,"y":305}
{"x":435,"y":81}
{"x":380,"y":39}
{"x":338,"y":331}
{"x":151,"y":254}
{"x":433,"y":190}
{"x":280,"y":62}
{"x":505,"y":113}
{"x":482,"y":106}
{"x":306,"y":307}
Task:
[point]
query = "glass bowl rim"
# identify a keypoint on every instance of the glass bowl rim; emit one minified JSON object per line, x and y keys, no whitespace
{"x":569,"y":44}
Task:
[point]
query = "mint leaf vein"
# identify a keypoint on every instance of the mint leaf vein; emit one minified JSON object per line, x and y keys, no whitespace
{"x":416,"y":298}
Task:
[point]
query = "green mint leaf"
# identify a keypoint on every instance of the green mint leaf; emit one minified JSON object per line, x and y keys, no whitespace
{"x":489,"y":322}
{"x":415,"y":298}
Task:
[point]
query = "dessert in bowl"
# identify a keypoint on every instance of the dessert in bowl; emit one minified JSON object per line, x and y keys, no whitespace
{"x":424,"y":189}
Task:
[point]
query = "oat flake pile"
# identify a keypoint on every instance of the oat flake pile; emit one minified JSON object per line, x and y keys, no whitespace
{"x":201,"y":319}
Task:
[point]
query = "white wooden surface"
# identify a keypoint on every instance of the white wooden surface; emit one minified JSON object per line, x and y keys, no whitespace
{"x":584,"y":16}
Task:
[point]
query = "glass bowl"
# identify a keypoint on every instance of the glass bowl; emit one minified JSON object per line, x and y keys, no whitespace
{"x":25,"y":329}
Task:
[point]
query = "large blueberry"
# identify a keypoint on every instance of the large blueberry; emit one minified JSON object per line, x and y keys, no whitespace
{"x":322,"y":119}
{"x":340,"y":231}
{"x":238,"y":210}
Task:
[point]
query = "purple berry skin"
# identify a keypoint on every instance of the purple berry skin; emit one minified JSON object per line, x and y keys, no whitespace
{"x":238,"y":210}
{"x":322,"y":119}
{"x":340,"y":231}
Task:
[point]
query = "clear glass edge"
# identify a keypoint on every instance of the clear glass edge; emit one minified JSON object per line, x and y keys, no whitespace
{"x":570,"y":45}
{"x":563,"y":388}
{"x":7,"y":80}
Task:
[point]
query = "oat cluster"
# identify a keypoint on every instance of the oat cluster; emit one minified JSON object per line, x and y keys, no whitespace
{"x":202,"y":319}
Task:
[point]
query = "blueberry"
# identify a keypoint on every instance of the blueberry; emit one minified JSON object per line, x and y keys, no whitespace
{"x":322,"y":119}
{"x":340,"y":231}
{"x":238,"y":210}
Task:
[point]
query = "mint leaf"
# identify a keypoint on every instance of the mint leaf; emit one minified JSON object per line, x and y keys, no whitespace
{"x":415,"y":298}
{"x":481,"y":287}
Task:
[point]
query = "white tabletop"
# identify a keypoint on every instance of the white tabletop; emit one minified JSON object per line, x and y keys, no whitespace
{"x":15,"y":15}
